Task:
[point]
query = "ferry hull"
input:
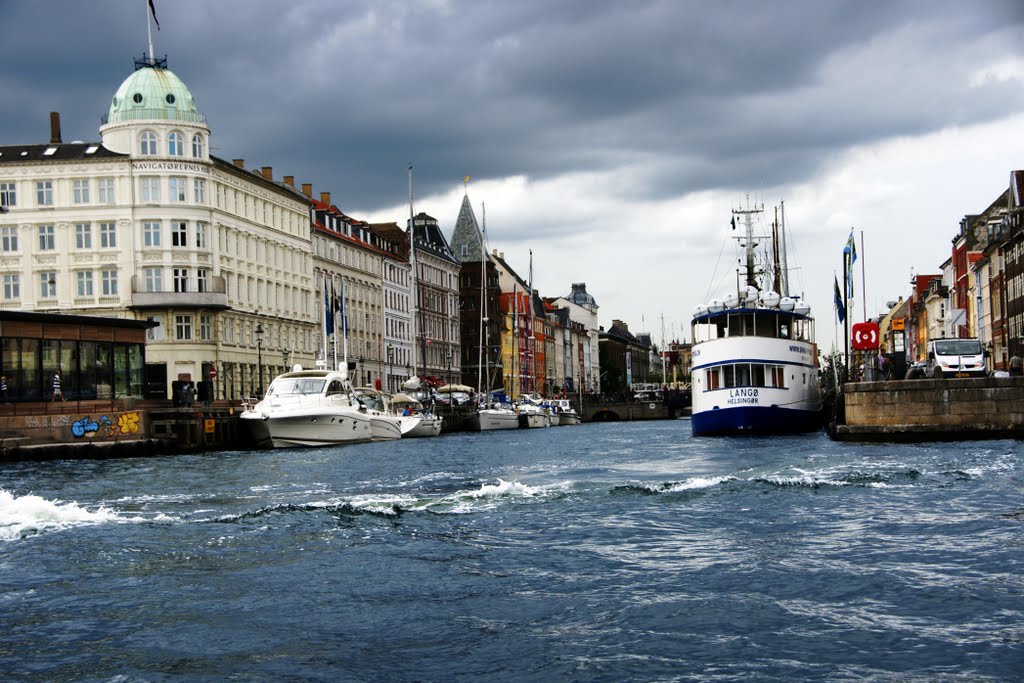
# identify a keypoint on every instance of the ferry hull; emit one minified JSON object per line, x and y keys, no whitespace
{"x":755,"y":420}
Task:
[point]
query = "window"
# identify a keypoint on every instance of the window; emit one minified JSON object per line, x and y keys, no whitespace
{"x":151,"y":234}
{"x":48,"y":284}
{"x":202,"y":279}
{"x":84,"y":278}
{"x":83,"y":235}
{"x":183,"y":327}
{"x":175,"y":145}
{"x":44,"y":193}
{"x":176,"y":189}
{"x":8,"y":194}
{"x":150,"y":188}
{"x":205,"y":328}
{"x":197,"y":146}
{"x":47,"y":238}
{"x":108,"y":235}
{"x":9,"y":238}
{"x":200,"y":235}
{"x":147,"y":144}
{"x":105,"y":190}
{"x":198,"y":190}
{"x":81,"y":191}
{"x":181,"y":279}
{"x":108,"y":282}
{"x":12,"y":286}
{"x":157,"y":333}
{"x":179,"y":234}
{"x":154,"y":278}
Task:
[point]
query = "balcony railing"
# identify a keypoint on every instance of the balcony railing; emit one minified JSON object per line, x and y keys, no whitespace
{"x":215,"y":295}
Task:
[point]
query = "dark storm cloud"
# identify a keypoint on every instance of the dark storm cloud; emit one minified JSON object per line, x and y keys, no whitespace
{"x":690,"y":95}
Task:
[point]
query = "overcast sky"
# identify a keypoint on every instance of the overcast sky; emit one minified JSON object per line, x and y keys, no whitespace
{"x":612,"y":138}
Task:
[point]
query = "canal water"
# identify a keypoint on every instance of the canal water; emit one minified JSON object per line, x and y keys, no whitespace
{"x":603,"y":552}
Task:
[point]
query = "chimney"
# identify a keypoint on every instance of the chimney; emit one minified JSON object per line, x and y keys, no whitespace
{"x":307,"y":189}
{"x":289,"y":180}
{"x":619,"y":323}
{"x":325,"y":197}
{"x":55,"y":128}
{"x":268,"y":172}
{"x":240,"y":163}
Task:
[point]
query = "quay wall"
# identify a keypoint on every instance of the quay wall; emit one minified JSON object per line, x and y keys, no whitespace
{"x":105,"y":429}
{"x":931,"y":409}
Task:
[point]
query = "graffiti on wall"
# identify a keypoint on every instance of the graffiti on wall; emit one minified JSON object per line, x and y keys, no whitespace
{"x":87,"y":427}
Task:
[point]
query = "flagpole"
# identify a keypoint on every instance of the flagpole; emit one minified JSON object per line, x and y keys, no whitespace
{"x":863,"y":280}
{"x":846,"y":320}
{"x":149,"y":32}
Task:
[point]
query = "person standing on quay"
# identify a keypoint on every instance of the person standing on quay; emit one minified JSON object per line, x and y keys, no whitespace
{"x":3,"y":389}
{"x":56,"y":387}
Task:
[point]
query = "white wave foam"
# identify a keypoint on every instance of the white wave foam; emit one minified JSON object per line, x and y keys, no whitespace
{"x":803,"y":480}
{"x":700,"y":483}
{"x":23,"y":515}
{"x":459,"y":502}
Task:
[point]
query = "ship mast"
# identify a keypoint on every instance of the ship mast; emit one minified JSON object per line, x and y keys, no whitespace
{"x":747,"y":216}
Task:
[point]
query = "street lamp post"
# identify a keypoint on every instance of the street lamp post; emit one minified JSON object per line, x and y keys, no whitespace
{"x":259,"y":357}
{"x":390,"y":371}
{"x":449,"y":366}
{"x":286,"y":353}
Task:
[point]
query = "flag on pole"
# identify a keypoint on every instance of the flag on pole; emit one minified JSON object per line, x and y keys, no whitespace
{"x":851,"y":248}
{"x":328,"y":312}
{"x":840,"y":306}
{"x":850,"y":251}
{"x":342,"y":312}
{"x":152,"y":9}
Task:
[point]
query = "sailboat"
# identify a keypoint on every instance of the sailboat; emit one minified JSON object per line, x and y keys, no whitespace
{"x":755,"y":362}
{"x":311,"y":407}
{"x":490,"y":415}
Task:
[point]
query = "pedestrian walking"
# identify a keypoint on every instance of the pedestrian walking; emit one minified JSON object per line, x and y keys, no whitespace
{"x":3,"y":389}
{"x":57,"y":393}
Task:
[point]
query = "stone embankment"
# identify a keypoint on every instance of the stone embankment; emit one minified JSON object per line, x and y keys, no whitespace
{"x":930,"y":410}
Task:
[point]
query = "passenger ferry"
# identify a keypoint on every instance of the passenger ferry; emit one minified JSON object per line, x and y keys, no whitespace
{"x":755,"y":362}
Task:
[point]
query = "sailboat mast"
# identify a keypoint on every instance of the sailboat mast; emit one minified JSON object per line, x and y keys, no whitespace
{"x":531,"y":370}
{"x":784,"y":291}
{"x":417,"y":332}
{"x":776,"y":261}
{"x":480,"y":372}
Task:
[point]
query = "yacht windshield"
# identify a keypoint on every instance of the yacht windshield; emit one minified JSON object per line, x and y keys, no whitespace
{"x":297,"y":386}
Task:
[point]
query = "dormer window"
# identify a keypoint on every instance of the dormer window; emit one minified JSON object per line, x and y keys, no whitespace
{"x":170,"y":99}
{"x":137,"y":98}
{"x":147,"y":144}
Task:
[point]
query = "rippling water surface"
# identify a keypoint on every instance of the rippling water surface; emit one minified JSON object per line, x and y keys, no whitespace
{"x":604,"y":552}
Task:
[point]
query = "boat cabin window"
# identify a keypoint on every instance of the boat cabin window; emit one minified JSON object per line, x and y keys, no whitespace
{"x":290,"y":387}
{"x":335,"y":387}
{"x":745,"y":375}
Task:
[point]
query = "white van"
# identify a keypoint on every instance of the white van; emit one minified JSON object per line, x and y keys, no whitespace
{"x":956,"y":358}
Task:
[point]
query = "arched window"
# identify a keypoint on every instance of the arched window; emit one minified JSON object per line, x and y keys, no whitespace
{"x":175,"y":145}
{"x":147,"y":144}
{"x":197,"y":146}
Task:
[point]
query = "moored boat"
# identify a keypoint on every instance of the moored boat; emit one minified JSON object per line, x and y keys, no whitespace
{"x":308,"y":408}
{"x":415,"y":420}
{"x":385,"y":424}
{"x":565,"y":413}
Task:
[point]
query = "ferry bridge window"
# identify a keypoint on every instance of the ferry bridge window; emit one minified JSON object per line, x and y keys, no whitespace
{"x":758,"y":375}
{"x":712,"y":378}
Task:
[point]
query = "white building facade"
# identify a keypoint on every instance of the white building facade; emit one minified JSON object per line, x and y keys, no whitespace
{"x":147,"y":225}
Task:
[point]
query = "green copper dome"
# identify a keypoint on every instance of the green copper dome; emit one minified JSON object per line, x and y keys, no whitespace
{"x":153,"y":92}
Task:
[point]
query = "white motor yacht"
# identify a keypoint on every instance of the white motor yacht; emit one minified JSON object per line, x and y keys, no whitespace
{"x":415,"y":420}
{"x":308,"y":408}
